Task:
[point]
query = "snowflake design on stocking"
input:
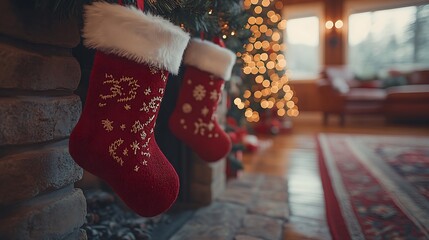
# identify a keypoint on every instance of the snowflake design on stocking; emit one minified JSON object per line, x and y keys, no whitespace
{"x":199,"y":92}
{"x":135,"y":146}
{"x":201,"y":127}
{"x":107,"y":124}
{"x":214,"y":95}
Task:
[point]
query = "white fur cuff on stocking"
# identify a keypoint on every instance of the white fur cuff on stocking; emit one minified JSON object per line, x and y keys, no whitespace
{"x":210,"y":57}
{"x":138,"y":36}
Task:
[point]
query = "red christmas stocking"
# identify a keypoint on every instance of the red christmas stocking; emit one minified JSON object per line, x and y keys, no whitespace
{"x":193,"y":120}
{"x":114,"y":137}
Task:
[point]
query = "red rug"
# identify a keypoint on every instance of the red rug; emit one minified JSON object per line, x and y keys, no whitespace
{"x":376,"y":187}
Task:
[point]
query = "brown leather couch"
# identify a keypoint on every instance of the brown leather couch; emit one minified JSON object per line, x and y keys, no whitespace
{"x":341,"y":94}
{"x":409,"y":102}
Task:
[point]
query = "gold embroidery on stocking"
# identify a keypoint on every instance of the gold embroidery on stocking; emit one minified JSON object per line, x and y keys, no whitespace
{"x":137,"y":127}
{"x":153,"y":69}
{"x":183,"y":123}
{"x":155,"y":103}
{"x":201,"y":127}
{"x":187,"y":108}
{"x":117,"y":88}
{"x":135,"y":146}
{"x":163,"y":76}
{"x":204,"y":111}
{"x":125,"y":90}
{"x":214,"y":95}
{"x":146,"y":144}
{"x":199,"y":92}
{"x":149,"y":121}
{"x":107,"y":124}
{"x":146,"y":152}
{"x":112,"y":151}
{"x":210,"y":126}
{"x":143,"y":135}
{"x":145,"y":108}
{"x":114,"y":90}
{"x":132,"y":83}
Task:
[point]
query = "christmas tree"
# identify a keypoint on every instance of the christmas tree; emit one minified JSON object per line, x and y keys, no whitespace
{"x":266,"y":91}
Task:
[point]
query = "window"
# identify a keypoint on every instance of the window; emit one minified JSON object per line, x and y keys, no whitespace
{"x":393,"y":37}
{"x":302,"y":47}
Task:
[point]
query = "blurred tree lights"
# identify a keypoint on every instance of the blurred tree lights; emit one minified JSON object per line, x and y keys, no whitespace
{"x":267,"y":90}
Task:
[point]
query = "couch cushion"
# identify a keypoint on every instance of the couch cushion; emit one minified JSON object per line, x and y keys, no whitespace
{"x":339,"y":71}
{"x":417,"y":93}
{"x":366,"y":94}
{"x":340,"y":85}
{"x":345,"y":74}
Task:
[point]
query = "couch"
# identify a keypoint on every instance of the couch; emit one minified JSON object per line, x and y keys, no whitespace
{"x":342,"y":94}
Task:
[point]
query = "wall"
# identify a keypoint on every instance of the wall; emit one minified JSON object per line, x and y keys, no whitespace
{"x":37,"y":113}
{"x":308,"y":95}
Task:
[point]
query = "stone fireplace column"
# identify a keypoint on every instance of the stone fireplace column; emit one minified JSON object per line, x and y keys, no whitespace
{"x":37,"y":113}
{"x":208,"y":180}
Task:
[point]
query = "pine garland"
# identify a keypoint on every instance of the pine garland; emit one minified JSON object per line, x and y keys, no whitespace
{"x":194,"y":16}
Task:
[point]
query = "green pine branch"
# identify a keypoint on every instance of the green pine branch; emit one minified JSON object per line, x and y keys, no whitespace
{"x":192,"y":15}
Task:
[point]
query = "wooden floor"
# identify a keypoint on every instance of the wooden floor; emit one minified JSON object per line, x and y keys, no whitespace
{"x":294,"y":156}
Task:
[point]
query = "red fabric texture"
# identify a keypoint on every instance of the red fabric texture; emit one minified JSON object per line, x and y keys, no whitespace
{"x":193,"y":120}
{"x":114,"y":137}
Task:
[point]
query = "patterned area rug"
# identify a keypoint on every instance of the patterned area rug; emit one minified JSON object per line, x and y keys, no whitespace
{"x":376,"y":187}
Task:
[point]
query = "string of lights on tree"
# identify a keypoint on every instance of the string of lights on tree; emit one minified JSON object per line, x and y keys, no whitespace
{"x":264,"y":64}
